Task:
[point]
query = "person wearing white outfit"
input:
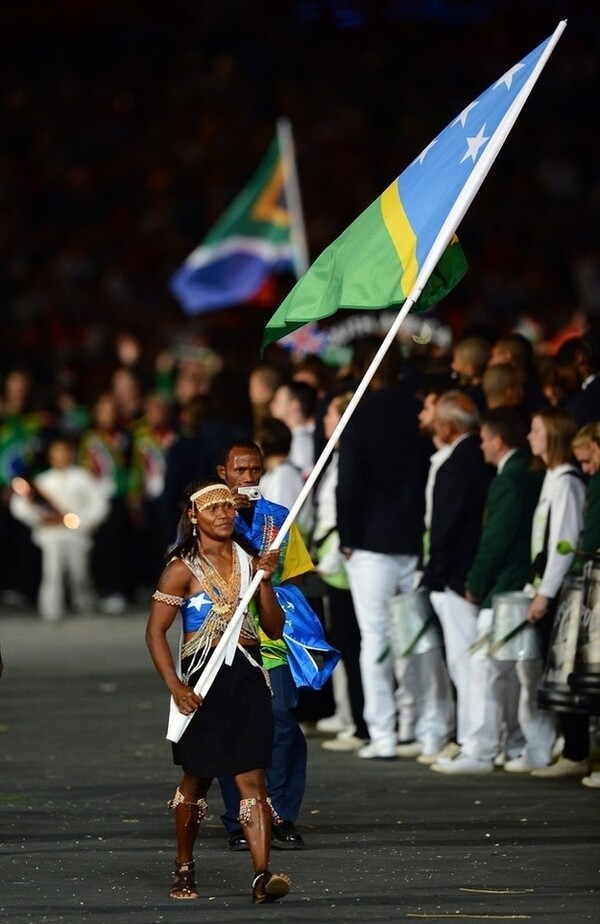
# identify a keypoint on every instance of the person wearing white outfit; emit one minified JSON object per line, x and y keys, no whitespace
{"x":379,"y":501}
{"x":282,"y":481}
{"x":435,"y":720}
{"x":501,"y":566}
{"x":63,"y":508}
{"x":558,"y":517}
{"x":295,"y":404}
{"x":344,"y":632}
{"x":458,"y":499}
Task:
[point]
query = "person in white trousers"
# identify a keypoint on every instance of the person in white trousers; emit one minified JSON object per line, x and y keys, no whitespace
{"x":457,"y":502}
{"x":379,"y":503}
{"x":558,"y":517}
{"x":501,"y":566}
{"x":63,"y":506}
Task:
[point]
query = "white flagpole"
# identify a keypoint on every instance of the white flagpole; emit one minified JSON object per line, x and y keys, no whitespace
{"x":178,"y":724}
{"x":442,"y":240}
{"x":292,"y":196}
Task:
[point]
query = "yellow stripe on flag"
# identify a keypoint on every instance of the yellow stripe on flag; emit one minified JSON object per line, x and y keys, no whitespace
{"x":402,"y":235}
{"x":269,"y":204}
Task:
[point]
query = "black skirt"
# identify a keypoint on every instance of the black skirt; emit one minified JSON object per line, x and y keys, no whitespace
{"x":232,"y":731}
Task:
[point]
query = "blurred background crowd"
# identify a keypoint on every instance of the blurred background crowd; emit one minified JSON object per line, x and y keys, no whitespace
{"x":127,"y":129}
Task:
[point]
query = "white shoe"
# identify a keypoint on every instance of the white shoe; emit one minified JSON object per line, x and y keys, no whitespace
{"x":563,"y":767}
{"x":52,"y":617}
{"x":377,"y":751}
{"x":593,"y":780}
{"x":113,"y":605}
{"x":463,"y":764}
{"x":346,"y":743}
{"x":524,"y":765}
{"x":449,"y":752}
{"x":349,"y":733}
{"x":332,"y":725}
{"x":409,"y":750}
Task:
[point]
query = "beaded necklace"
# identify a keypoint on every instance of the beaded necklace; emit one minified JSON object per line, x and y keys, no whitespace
{"x":227,"y":593}
{"x":225,"y":596}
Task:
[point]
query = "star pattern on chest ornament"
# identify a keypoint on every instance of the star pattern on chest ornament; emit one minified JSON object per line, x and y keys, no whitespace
{"x":200,"y":600}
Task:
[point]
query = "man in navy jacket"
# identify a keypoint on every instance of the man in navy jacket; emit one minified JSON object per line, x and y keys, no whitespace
{"x":380,"y":499}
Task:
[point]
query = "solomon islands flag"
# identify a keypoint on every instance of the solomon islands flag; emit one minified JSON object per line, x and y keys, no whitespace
{"x":375,"y":262}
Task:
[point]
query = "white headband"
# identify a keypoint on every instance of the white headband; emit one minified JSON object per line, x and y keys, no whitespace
{"x":211,"y":494}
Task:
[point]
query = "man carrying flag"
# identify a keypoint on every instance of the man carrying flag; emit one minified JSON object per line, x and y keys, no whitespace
{"x":260,"y":234}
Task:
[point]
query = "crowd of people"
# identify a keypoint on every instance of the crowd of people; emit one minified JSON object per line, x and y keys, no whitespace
{"x":120,"y":153}
{"x":418,"y":497}
{"x":114,"y":168}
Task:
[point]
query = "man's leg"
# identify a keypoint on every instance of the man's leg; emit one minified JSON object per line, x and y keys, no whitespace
{"x":539,"y":726}
{"x":458,"y":619}
{"x":286,"y":777}
{"x":427,"y":673}
{"x":373,"y":580}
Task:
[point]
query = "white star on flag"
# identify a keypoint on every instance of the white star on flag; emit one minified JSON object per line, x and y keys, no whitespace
{"x":421,"y":156}
{"x":200,"y":601}
{"x":474,"y":144}
{"x":508,"y":77}
{"x":462,"y":118}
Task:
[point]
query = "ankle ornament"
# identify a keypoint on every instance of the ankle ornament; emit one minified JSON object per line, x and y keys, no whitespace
{"x":246,"y":805}
{"x":201,"y":806}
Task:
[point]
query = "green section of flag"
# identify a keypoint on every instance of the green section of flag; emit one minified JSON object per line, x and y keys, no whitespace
{"x":360,"y":270}
{"x":259,"y":210}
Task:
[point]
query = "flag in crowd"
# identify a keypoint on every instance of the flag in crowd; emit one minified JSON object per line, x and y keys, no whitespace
{"x":404,"y":244}
{"x":260,"y":234}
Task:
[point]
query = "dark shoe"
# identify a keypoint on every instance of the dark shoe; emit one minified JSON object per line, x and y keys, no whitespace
{"x":286,"y":837}
{"x":237,"y":841}
{"x":269,"y":887}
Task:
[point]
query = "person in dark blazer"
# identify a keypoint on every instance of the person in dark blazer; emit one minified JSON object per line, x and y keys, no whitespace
{"x":459,"y":495}
{"x":502,"y":561}
{"x":458,"y":500}
{"x":379,"y":502}
{"x":577,"y":363}
{"x":501,"y":565}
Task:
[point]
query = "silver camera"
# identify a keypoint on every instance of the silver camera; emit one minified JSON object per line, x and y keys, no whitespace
{"x":252,"y":492}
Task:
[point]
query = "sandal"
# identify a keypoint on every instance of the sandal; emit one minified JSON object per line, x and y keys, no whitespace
{"x":184,"y":882}
{"x":269,"y":887}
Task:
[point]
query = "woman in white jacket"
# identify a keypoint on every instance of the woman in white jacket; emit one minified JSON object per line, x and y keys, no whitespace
{"x":558,"y":517}
{"x":63,"y":506}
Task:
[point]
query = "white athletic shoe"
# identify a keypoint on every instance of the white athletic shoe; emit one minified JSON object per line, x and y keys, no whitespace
{"x":463,"y":764}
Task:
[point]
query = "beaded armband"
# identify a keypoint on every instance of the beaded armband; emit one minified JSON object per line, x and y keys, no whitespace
{"x":167,"y":598}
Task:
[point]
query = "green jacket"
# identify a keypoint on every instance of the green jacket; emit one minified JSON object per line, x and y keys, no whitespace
{"x":503,"y":557}
{"x":589,"y":540}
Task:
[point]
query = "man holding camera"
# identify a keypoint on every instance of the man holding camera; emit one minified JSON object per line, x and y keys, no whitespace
{"x":258,"y":521}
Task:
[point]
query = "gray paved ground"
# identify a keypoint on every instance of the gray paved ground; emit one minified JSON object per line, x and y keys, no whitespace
{"x":85,"y":837}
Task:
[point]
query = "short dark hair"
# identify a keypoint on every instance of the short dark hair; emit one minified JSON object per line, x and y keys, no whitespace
{"x":306,"y":396}
{"x":508,"y":424}
{"x":274,"y":437}
{"x":249,"y":445}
